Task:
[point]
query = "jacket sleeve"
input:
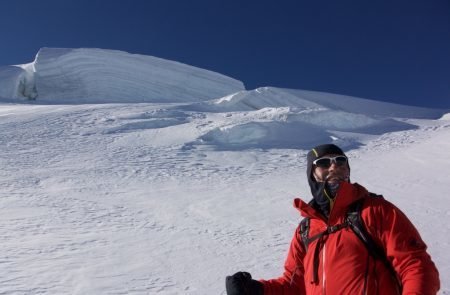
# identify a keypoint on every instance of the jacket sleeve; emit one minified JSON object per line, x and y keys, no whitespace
{"x":292,"y":280}
{"x":406,"y":250}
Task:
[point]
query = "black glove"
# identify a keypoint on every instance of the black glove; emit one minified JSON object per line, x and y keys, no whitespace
{"x":241,"y":283}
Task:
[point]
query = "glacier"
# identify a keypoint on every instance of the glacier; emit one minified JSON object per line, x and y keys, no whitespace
{"x":90,"y":75}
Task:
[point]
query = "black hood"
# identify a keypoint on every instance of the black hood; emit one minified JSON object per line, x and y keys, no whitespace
{"x":319,"y":189}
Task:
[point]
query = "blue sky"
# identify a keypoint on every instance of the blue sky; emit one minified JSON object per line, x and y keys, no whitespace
{"x":397,"y":51}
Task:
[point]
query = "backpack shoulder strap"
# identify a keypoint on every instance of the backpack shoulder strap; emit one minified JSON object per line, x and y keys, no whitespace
{"x":356,"y":223}
{"x":304,"y":231}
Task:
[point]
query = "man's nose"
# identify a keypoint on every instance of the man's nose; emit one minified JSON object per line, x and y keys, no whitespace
{"x":333,"y":166}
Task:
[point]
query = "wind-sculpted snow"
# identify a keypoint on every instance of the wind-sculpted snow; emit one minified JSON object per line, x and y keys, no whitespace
{"x":297,"y":131}
{"x":265,"y":135}
{"x":345,"y":121}
{"x":153,"y":119}
{"x":99,"y":76}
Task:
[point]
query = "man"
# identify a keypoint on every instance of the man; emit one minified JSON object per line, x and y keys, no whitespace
{"x":336,"y":261}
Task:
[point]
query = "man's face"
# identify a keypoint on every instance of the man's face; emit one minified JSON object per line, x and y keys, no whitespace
{"x":336,"y":171}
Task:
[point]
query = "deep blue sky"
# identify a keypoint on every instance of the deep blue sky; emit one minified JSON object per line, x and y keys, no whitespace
{"x":391,"y":50}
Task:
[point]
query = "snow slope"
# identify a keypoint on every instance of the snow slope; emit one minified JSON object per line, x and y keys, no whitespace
{"x":169,"y":198}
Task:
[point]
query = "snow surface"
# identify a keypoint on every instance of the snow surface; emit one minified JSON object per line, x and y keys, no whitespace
{"x":170,"y":197}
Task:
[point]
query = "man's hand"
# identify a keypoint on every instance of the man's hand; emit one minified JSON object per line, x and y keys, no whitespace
{"x":241,"y":283}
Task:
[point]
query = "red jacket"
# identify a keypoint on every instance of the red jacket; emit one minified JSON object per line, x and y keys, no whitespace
{"x":345,"y":267}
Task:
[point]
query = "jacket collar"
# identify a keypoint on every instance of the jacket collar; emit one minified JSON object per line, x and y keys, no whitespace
{"x":346,"y":195}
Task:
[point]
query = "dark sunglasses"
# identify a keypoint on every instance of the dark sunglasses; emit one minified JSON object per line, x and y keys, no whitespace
{"x":326,"y":162}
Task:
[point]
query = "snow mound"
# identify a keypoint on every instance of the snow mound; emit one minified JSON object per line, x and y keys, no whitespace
{"x":265,"y":135}
{"x":291,"y":128}
{"x":98,"y":76}
{"x":256,"y":99}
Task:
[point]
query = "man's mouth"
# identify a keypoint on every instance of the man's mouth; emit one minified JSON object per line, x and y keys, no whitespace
{"x":335,"y":178}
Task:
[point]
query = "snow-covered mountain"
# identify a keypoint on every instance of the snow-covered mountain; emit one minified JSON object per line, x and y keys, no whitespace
{"x":103,"y":195}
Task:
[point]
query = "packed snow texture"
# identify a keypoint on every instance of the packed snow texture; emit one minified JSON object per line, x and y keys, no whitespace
{"x":170,"y":197}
